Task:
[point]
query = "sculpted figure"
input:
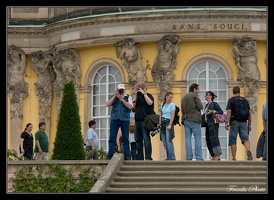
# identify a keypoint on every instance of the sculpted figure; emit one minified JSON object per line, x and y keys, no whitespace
{"x":70,"y":64}
{"x":42,"y":65}
{"x":17,"y":87}
{"x":60,"y":76}
{"x":245,"y":56}
{"x":165,"y":62}
{"x":128,"y":51}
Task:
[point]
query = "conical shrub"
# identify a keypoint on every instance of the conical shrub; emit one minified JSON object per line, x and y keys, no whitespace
{"x":68,"y":144}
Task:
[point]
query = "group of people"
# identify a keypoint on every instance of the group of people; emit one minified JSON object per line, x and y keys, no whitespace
{"x":41,"y":143}
{"x":191,"y":107}
{"x":192,"y":110}
{"x":137,"y":141}
{"x":122,"y":106}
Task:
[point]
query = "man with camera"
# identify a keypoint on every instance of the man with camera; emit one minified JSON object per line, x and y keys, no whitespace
{"x":144,"y":105}
{"x":120,"y":117}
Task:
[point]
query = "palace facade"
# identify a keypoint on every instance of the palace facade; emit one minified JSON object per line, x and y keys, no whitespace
{"x":168,"y":48}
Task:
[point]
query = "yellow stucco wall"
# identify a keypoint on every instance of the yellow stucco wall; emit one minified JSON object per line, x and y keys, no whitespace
{"x":189,"y":50}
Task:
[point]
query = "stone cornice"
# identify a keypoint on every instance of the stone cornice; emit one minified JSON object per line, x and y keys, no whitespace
{"x":131,"y":18}
{"x":143,"y":27}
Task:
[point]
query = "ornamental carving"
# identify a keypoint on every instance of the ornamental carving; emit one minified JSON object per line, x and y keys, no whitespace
{"x":128,"y":51}
{"x":245,"y":56}
{"x":17,"y":87}
{"x":165,"y":62}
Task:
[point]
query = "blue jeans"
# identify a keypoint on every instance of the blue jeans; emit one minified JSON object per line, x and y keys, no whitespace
{"x":114,"y":127}
{"x":142,"y":138}
{"x":168,"y":144}
{"x":133,"y":150}
{"x":195,"y":128}
{"x":235,"y":128}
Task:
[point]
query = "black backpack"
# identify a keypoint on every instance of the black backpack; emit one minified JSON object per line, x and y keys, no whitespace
{"x":176,"y":116}
{"x":241,"y":112}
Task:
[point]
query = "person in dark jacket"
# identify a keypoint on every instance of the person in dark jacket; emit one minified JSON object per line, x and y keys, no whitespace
{"x":191,"y":107}
{"x":26,"y":142}
{"x":212,"y":129}
{"x":144,"y":105}
{"x":261,"y":146}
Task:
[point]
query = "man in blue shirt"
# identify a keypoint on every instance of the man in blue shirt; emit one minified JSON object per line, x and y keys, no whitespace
{"x":119,"y":118}
{"x":92,"y":140}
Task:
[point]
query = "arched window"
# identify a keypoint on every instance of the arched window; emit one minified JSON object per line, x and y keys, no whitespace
{"x":104,"y":83}
{"x":210,"y":75}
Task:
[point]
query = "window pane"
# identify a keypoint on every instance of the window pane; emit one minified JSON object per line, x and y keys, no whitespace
{"x":213,"y":66}
{"x":201,"y":66}
{"x":95,"y":89}
{"x":213,"y":85}
{"x":222,"y":96}
{"x":96,"y":111}
{"x":102,"y":71}
{"x":202,"y":85}
{"x":112,"y":70}
{"x":221,"y":73}
{"x":202,"y":74}
{"x":212,"y":74}
{"x":193,"y":73}
{"x":103,"y":111}
{"x":222,"y":83}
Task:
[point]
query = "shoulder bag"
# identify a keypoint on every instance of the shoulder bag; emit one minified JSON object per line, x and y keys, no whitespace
{"x":151,"y":121}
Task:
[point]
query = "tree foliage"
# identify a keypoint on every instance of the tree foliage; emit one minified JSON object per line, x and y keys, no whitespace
{"x":68,"y":144}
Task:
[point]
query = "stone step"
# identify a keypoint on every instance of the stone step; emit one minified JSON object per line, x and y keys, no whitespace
{"x":173,"y":184}
{"x":197,"y":190}
{"x":191,"y":173}
{"x":191,"y":168}
{"x":183,"y":177}
{"x":189,"y":179}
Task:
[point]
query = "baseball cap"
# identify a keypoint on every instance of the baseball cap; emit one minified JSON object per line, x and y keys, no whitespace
{"x":121,"y":86}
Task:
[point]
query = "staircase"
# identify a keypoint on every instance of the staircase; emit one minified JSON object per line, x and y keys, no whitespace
{"x":188,"y":177}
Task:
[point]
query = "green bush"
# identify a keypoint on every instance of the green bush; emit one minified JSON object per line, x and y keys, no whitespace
{"x":68,"y":144}
{"x":54,"y":179}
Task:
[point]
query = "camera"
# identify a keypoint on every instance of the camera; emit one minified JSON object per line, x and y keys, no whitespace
{"x":121,"y":91}
{"x":158,"y":130}
{"x":139,"y":93}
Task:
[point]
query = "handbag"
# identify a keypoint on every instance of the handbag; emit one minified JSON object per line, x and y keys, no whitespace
{"x":203,"y":123}
{"x":151,"y":121}
{"x":220,"y":118}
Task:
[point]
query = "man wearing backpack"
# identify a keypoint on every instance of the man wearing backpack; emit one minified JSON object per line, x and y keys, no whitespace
{"x":239,"y":115}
